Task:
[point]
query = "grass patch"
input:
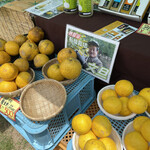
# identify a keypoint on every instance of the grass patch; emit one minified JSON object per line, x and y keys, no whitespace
{"x":4,"y":124}
{"x":6,"y":143}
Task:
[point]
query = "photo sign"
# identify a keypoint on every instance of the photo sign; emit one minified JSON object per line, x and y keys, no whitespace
{"x":96,"y":53}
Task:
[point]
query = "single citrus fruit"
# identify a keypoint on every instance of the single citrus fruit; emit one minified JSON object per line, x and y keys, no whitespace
{"x":2,"y":44}
{"x":124,"y":88}
{"x":8,"y":71}
{"x":4,"y":57}
{"x":146,"y":94}
{"x":22,"y":64}
{"x":35,"y":34}
{"x":124,"y":111}
{"x":138,"y":121}
{"x":101,"y":126}
{"x":85,"y":137}
{"x":20,"y":39}
{"x":12,"y":48}
{"x":107,"y":93}
{"x":46,"y":47}
{"x":66,"y":53}
{"x":148,"y":109}
{"x":137,"y":104}
{"x":70,"y":68}
{"x":135,"y":141}
{"x":8,"y":86}
{"x":28,"y":50}
{"x":81,"y":123}
{"x":23,"y":79}
{"x":145,"y":130}
{"x":112,"y":105}
{"x":40,"y":59}
{"x":53,"y":72}
{"x":94,"y":144}
{"x":109,"y":143}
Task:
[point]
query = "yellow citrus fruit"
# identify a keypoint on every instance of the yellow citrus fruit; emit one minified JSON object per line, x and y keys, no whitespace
{"x":149,"y":148}
{"x":2,"y":44}
{"x":148,"y":109}
{"x":124,"y":111}
{"x":112,"y":105}
{"x":28,"y":50}
{"x":137,"y":104}
{"x":66,"y":53}
{"x":146,"y":94}
{"x":135,"y":141}
{"x":8,"y":71}
{"x":94,"y":144}
{"x":107,"y":93}
{"x":20,"y":39}
{"x":53,"y":72}
{"x":85,"y":137}
{"x":12,"y":48}
{"x":124,"y":88}
{"x":40,"y":59}
{"x":109,"y":143}
{"x":8,"y":86}
{"x":138,"y":121}
{"x":145,"y":130}
{"x":23,"y":79}
{"x":46,"y":47}
{"x":70,"y":68}
{"x":81,"y":124}
{"x":22,"y":64}
{"x":101,"y":126}
{"x":4,"y":57}
{"x":35,"y":34}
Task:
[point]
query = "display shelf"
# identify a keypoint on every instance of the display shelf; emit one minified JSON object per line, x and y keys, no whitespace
{"x":47,"y":134}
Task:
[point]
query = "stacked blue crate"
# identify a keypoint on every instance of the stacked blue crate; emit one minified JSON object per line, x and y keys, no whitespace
{"x":46,"y":135}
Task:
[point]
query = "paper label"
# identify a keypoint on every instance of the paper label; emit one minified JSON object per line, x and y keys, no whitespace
{"x":9,"y":107}
{"x":144,"y":29}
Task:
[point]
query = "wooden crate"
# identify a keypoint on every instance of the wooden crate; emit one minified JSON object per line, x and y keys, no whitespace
{"x":13,"y":23}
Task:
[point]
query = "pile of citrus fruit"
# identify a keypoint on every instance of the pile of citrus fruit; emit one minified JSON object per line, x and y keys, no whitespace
{"x":93,"y":134}
{"x":15,"y":57}
{"x":68,"y":66}
{"x":139,"y":137}
{"x":120,"y":101}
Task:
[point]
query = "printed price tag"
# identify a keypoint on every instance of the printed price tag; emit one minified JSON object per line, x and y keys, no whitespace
{"x":9,"y":107}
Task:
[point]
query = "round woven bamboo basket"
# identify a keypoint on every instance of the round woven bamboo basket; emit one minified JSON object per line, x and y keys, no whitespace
{"x":43,"y":99}
{"x":18,"y":92}
{"x":49,"y":63}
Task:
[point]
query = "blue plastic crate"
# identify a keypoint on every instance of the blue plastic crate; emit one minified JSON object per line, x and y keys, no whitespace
{"x":47,"y":134}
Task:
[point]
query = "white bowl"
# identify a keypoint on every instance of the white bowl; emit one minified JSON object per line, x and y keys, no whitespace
{"x":127,"y":129}
{"x":147,"y":113}
{"x":100,"y":104}
{"x":114,"y":135}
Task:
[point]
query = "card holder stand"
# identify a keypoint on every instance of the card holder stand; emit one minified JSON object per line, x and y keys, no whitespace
{"x":138,"y":16}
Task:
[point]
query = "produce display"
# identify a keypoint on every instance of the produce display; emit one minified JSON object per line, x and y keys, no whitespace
{"x":120,"y":100}
{"x":65,"y":67}
{"x":16,"y":57}
{"x":94,"y":134}
{"x":137,"y":134}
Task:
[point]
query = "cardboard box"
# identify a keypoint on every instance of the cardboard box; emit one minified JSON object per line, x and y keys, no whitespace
{"x":137,"y":16}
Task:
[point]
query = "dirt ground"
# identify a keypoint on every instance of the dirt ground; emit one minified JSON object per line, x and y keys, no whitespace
{"x":10,"y":138}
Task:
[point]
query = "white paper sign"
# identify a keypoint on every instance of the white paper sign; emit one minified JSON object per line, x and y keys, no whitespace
{"x":96,"y":53}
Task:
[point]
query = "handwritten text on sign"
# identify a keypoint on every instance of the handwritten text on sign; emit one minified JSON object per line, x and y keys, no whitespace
{"x":9,"y":107}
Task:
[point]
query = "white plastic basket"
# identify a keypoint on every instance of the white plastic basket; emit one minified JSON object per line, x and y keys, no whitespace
{"x":100,"y":104}
{"x":127,"y":129}
{"x":114,"y":135}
